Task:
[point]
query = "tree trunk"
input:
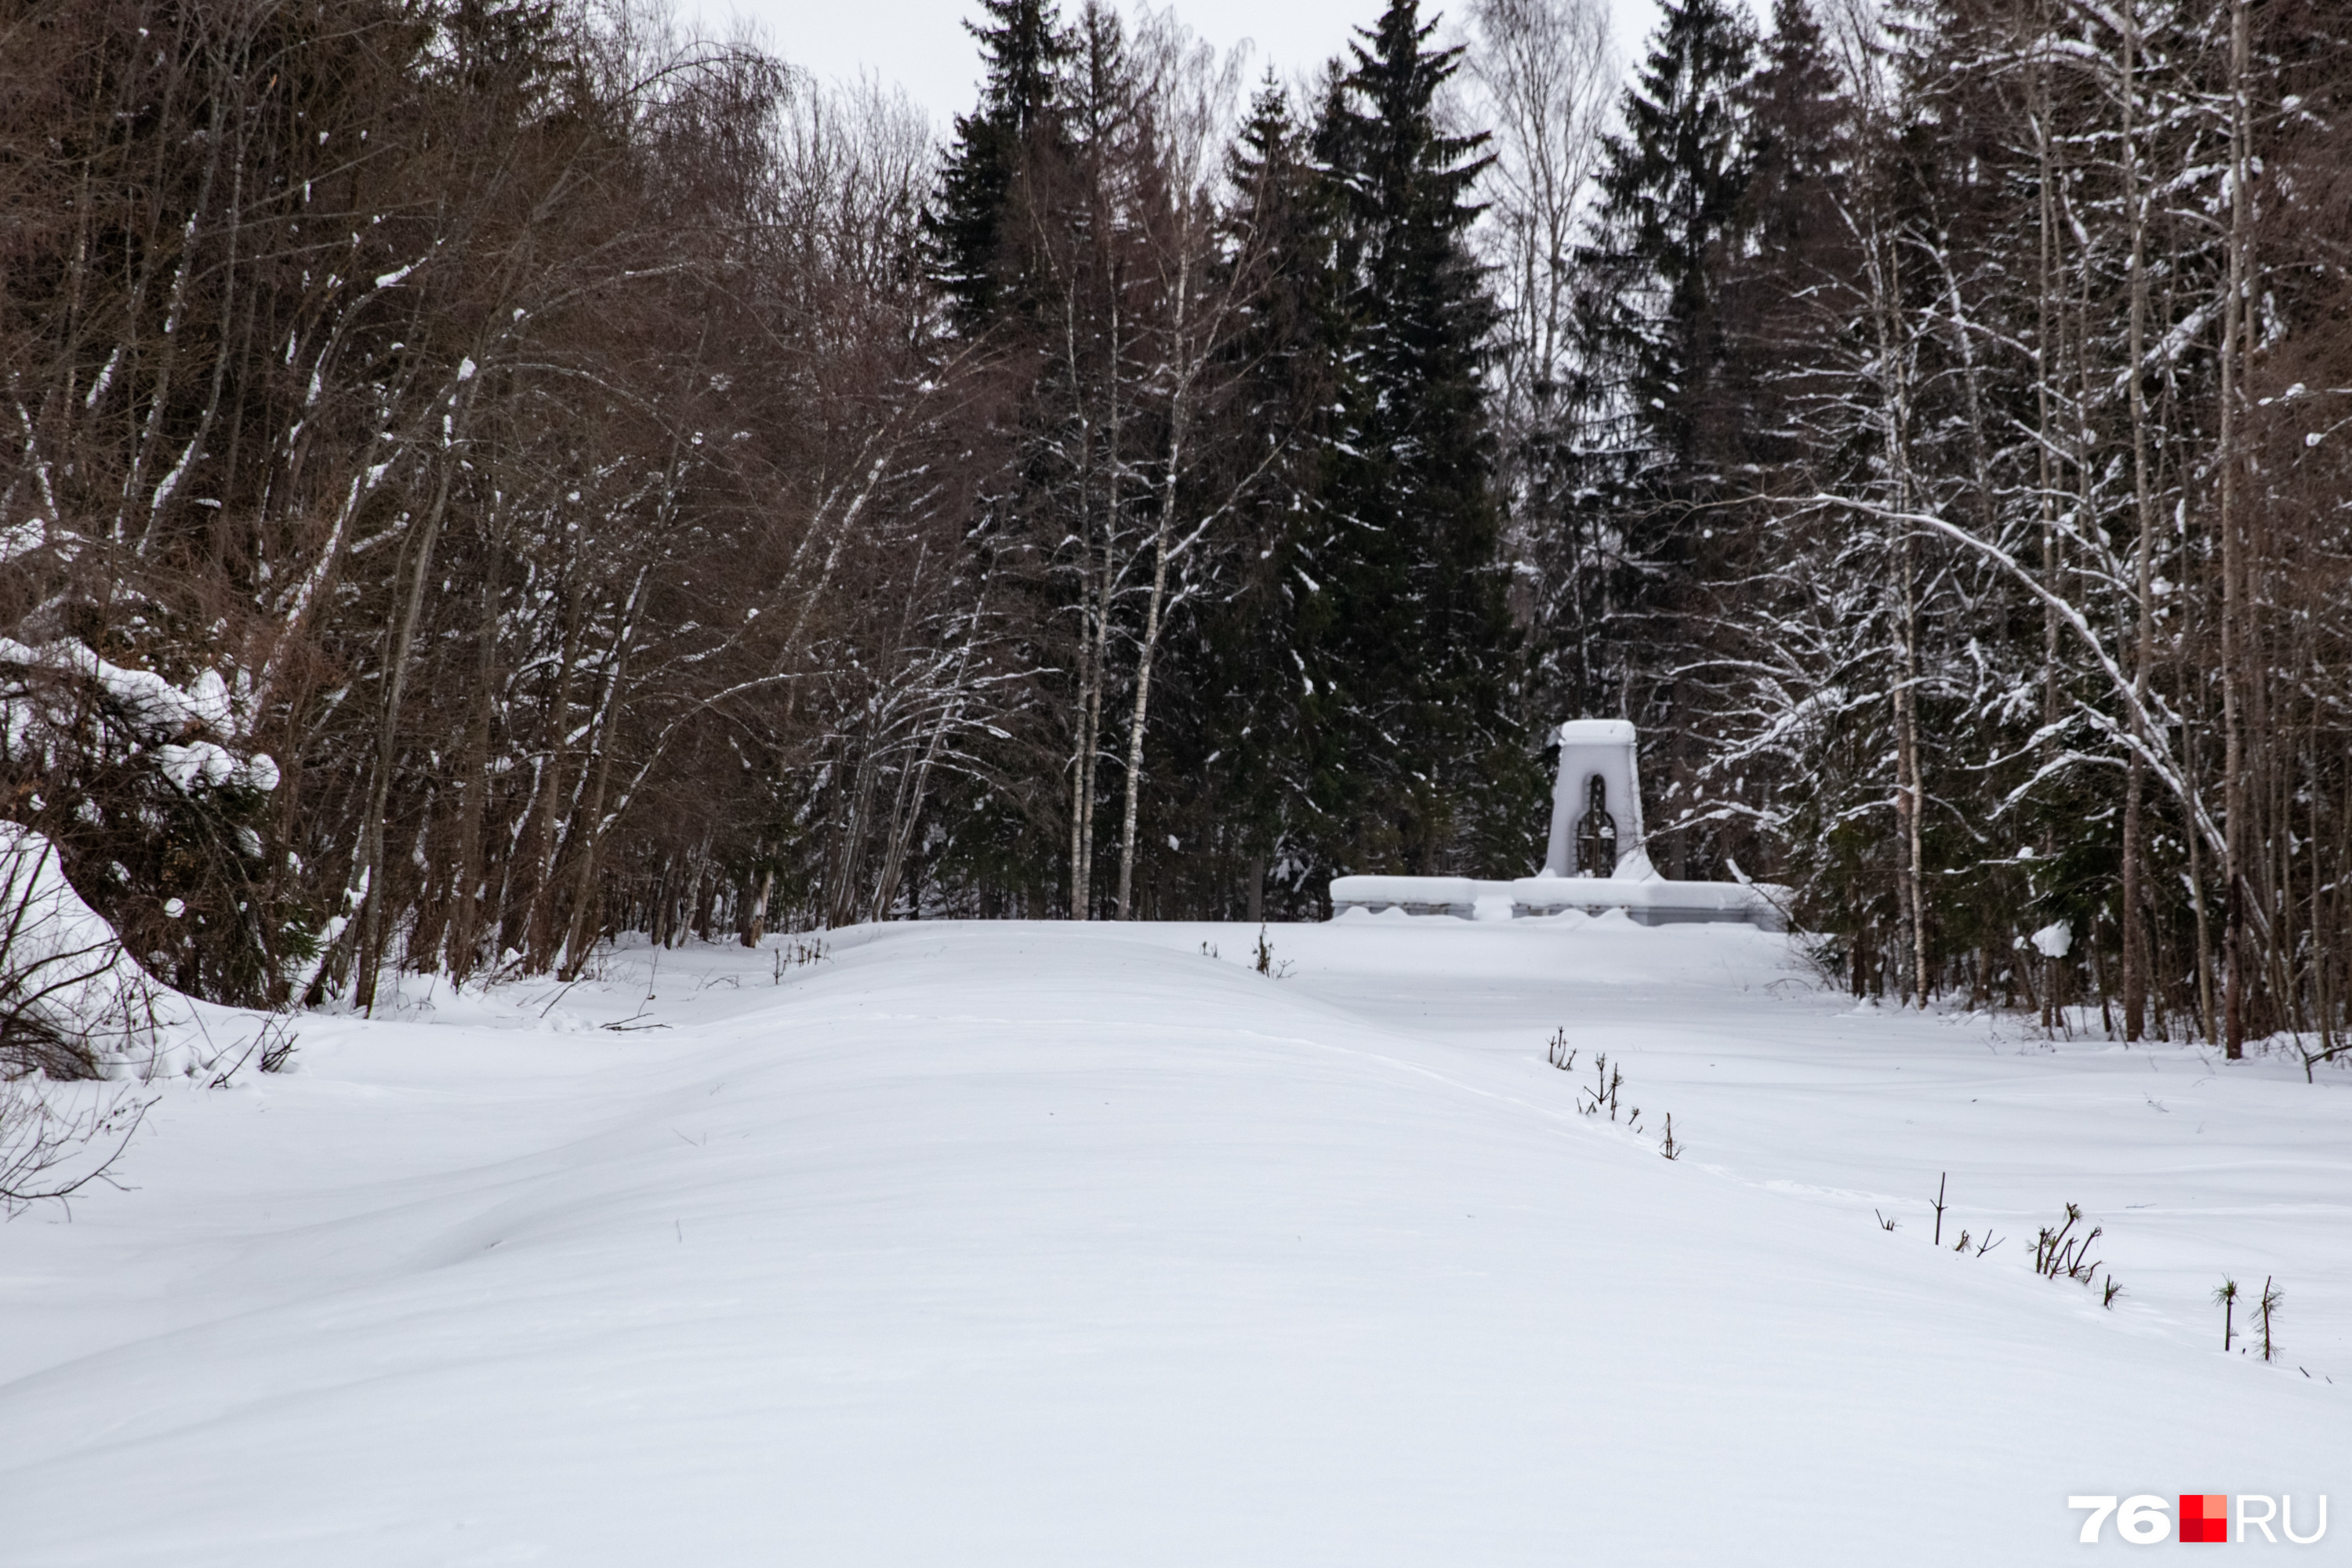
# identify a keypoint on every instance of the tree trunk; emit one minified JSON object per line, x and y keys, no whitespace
{"x":1180,"y":415}
{"x":473,"y":771}
{"x":2045,"y":325}
{"x":1142,"y":703}
{"x":1908,"y":785}
{"x":579,"y":933}
{"x":2233,"y":790}
{"x":1092,"y":609}
{"x":373,"y":915}
{"x":2134,"y":975}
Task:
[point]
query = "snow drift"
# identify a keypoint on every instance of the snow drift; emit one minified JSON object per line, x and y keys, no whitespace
{"x":1042,"y":1245}
{"x":72,"y":1002}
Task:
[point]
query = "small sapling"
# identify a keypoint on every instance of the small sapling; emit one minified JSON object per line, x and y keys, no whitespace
{"x":2060,"y":1254}
{"x":1606,"y":1081}
{"x":792,"y":955}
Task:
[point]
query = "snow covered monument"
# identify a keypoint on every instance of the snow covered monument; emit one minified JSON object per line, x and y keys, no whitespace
{"x":1596,"y":804}
{"x":1594,"y":861}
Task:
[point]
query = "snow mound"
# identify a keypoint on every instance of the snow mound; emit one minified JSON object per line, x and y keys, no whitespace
{"x":73,"y":1004}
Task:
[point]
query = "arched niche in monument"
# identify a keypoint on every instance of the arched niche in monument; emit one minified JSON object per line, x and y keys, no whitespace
{"x":1596,"y":832}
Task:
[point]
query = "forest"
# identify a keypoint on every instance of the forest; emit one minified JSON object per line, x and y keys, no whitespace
{"x":480,"y":477}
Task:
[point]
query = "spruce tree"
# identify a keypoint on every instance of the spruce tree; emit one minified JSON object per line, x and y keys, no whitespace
{"x":1792,"y":241}
{"x":1672,"y":186}
{"x":1010,"y":153}
{"x":1786,"y":320}
{"x":1256,"y":760}
{"x":1024,"y":48}
{"x":1661,"y":398}
{"x":1409,"y":648}
{"x":1800,"y":134}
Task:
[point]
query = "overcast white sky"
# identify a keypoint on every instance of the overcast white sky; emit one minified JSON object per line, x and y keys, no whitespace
{"x":920,"y":45}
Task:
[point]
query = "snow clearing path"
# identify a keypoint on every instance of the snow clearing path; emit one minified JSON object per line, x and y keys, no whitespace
{"x":1041,"y":1244}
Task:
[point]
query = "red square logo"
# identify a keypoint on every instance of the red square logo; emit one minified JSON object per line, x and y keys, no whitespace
{"x":2205,"y":1518}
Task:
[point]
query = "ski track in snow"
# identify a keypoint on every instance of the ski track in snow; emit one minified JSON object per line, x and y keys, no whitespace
{"x":1044,"y":1243}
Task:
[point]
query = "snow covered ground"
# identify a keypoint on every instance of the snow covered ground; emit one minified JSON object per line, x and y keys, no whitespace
{"x":1043,"y":1244}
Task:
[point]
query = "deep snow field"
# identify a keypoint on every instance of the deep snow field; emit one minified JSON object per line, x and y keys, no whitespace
{"x":1042,"y":1244}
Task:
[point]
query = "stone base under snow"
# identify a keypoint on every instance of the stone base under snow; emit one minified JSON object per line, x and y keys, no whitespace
{"x":1650,"y":902}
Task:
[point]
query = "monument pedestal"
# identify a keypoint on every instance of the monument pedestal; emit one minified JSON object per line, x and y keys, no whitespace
{"x":1596,"y":821}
